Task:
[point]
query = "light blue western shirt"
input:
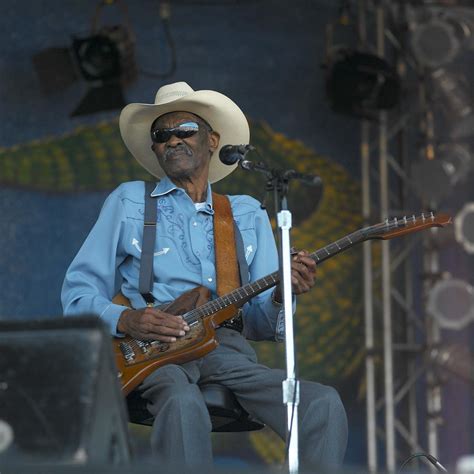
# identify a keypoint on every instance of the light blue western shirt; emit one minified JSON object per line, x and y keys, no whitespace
{"x":109,"y":259}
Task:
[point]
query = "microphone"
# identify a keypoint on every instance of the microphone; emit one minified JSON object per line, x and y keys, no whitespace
{"x":308,"y":179}
{"x":231,"y":154}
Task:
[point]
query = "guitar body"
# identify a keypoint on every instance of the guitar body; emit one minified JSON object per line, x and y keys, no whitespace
{"x":137,"y":359}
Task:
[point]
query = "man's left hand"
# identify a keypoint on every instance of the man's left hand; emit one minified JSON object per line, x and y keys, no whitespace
{"x":303,"y":275}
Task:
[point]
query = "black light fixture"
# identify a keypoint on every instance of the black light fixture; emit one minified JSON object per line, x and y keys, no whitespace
{"x":360,"y":84}
{"x":105,"y":60}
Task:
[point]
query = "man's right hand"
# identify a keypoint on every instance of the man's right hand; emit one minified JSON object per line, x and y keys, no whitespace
{"x":151,"y":324}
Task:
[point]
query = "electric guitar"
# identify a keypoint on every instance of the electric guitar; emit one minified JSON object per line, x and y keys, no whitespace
{"x":136,"y":359}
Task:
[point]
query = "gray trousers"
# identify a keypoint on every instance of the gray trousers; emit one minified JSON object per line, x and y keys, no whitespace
{"x":182,"y":426}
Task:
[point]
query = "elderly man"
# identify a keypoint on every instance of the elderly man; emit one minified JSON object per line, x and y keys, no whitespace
{"x":177,"y":139}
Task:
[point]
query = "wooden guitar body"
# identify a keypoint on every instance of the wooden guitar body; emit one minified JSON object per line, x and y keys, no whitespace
{"x":137,"y":359}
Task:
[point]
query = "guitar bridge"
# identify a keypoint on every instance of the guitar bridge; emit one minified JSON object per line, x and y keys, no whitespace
{"x":127,"y":351}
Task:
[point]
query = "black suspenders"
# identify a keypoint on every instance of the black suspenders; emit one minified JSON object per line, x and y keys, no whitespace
{"x":145,"y":282}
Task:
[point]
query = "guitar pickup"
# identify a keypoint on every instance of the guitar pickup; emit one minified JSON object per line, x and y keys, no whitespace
{"x":143,"y":345}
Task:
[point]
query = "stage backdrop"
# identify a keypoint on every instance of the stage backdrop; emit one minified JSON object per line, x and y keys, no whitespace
{"x":56,"y":170}
{"x":79,"y":167}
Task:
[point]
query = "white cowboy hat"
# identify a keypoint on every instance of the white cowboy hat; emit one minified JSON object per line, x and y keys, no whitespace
{"x":221,"y":113}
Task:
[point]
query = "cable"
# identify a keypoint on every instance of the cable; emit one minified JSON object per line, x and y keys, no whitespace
{"x":430,"y":458}
{"x":165,"y":14}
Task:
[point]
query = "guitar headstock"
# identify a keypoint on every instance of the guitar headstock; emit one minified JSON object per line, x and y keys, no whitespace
{"x":400,"y":226}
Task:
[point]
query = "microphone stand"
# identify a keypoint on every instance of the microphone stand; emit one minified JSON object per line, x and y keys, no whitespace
{"x":278,"y":182}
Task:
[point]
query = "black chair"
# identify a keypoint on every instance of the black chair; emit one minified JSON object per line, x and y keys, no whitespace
{"x":227,"y":415}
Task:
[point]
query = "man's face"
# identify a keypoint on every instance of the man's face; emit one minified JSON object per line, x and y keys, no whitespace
{"x":184,"y":158}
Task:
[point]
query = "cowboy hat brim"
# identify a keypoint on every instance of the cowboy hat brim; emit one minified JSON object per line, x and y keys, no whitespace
{"x":220,"y":112}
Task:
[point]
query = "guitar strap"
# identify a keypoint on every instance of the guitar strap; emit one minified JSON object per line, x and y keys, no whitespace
{"x":231,"y":264}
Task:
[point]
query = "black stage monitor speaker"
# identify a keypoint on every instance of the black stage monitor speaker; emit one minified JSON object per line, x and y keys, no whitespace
{"x":60,"y":400}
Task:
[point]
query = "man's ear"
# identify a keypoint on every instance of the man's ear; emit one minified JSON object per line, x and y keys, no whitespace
{"x":214,"y":139}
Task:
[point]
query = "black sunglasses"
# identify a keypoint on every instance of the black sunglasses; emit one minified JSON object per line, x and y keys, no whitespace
{"x":183,"y":130}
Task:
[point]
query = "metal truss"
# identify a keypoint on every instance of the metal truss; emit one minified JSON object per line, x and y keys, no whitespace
{"x":399,"y":334}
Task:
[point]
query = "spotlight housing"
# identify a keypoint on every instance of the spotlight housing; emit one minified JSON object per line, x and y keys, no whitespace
{"x":438,"y":34}
{"x":464,"y":227}
{"x":453,"y":90}
{"x":451,"y":303}
{"x":105,"y":60}
{"x":360,"y":84}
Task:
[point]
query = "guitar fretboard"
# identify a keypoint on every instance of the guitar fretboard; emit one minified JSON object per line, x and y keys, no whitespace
{"x":241,"y":295}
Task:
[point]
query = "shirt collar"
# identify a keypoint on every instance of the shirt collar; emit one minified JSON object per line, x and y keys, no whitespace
{"x":166,"y":186}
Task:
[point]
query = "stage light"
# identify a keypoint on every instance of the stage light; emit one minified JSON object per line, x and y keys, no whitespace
{"x":437,"y":40}
{"x":453,"y":90}
{"x":451,"y":303}
{"x":464,"y":227}
{"x":98,"y":58}
{"x":435,"y":178}
{"x":360,"y":84}
{"x":105,"y":60}
{"x":438,"y":32}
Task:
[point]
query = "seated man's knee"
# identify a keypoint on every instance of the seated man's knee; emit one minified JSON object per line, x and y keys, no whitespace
{"x":327,"y":405}
{"x":336,"y":408}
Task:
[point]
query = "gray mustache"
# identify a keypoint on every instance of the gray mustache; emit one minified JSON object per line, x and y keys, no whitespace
{"x":170,"y":152}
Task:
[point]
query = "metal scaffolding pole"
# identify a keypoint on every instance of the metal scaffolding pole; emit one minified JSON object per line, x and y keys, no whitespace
{"x":386,"y":274}
{"x":433,"y":392}
{"x":367,"y":271}
{"x":394,"y":277}
{"x":368,"y":310}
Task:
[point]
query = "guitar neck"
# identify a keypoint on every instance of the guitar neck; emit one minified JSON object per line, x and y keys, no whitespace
{"x":385,"y":230}
{"x":243,"y":294}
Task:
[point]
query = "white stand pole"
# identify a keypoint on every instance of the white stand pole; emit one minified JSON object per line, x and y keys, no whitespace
{"x":291,"y":393}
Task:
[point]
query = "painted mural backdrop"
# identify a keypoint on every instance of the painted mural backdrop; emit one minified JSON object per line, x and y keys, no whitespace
{"x":329,"y":319}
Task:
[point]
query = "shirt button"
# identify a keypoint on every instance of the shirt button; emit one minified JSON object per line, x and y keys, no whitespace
{"x":209,"y":279}
{"x":197,"y":253}
{"x":195,"y":224}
